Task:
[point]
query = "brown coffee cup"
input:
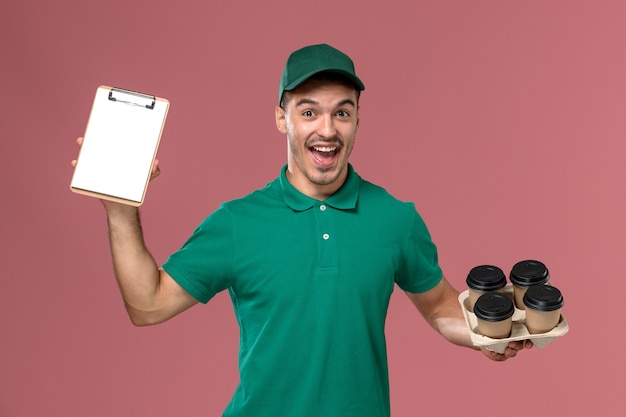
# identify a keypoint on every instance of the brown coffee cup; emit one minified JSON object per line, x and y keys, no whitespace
{"x":494,"y":315}
{"x":543,"y":308}
{"x":482,"y":279}
{"x":525,"y":274}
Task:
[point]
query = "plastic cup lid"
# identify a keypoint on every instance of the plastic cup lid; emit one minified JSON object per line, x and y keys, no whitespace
{"x":486,"y":278}
{"x":543,"y":298}
{"x":494,"y":306}
{"x":527,"y":273}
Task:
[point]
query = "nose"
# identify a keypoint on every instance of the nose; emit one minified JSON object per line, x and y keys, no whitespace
{"x":327,"y":128}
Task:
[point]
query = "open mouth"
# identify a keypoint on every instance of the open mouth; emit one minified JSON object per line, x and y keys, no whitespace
{"x":324,"y":155}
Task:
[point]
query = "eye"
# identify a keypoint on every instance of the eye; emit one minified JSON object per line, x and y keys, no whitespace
{"x":343,"y":113}
{"x":308,"y":113}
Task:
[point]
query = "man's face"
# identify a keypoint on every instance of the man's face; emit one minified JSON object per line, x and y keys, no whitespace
{"x":320,"y":119}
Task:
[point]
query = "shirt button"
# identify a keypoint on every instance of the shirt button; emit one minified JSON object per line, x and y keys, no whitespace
{"x":325,"y":236}
{"x":323,"y":207}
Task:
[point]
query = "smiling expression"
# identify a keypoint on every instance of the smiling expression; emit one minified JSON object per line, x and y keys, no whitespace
{"x":320,"y":119}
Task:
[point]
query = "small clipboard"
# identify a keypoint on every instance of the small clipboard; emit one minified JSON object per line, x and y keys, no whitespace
{"x":119,"y":145}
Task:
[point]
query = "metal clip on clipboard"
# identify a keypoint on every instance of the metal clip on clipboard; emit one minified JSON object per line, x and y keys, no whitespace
{"x":132,"y":98}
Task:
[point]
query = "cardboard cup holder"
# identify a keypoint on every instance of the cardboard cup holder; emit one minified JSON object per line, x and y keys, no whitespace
{"x":518,"y":328}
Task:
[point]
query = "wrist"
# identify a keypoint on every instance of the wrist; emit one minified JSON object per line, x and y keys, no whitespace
{"x":120,"y":211}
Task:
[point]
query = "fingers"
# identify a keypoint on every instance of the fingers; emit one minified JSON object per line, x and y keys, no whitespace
{"x":514,"y":347}
{"x":156,"y":170}
{"x":494,"y":356}
{"x":519,"y":345}
{"x":79,"y":142}
{"x":510,"y":351}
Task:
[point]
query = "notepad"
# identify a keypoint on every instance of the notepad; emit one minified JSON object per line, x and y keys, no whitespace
{"x":119,"y":145}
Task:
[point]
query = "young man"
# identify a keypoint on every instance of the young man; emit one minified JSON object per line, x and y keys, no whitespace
{"x":310,"y":262}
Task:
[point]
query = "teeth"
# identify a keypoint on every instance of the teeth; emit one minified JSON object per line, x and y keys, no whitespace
{"x":325,"y":148}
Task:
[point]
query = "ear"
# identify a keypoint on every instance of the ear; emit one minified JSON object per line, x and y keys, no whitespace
{"x":281,"y":122}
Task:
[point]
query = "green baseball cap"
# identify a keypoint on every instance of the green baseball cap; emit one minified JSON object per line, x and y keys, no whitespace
{"x":310,"y":60}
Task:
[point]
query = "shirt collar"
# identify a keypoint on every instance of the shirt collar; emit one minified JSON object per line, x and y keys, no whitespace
{"x":344,"y":199}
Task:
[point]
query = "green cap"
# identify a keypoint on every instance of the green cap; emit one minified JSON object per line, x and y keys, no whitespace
{"x":310,"y":60}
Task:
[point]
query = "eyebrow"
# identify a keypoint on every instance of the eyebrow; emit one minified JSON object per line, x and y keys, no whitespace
{"x":305,"y":100}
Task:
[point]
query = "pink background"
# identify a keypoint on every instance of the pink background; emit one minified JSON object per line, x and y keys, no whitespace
{"x":503,"y":121}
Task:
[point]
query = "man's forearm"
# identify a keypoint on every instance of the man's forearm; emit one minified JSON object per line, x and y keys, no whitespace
{"x":440,"y":307}
{"x":135,"y":270}
{"x":455,"y":330}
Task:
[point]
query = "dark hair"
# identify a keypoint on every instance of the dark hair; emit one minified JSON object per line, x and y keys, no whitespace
{"x":325,"y":76}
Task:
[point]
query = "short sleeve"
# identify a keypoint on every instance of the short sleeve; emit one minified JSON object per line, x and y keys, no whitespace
{"x":419,"y":269}
{"x":203,"y":265}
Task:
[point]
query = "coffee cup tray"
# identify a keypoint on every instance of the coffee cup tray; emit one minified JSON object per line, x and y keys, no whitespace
{"x":518,"y":328}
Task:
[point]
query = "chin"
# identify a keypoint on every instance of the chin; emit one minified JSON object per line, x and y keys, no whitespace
{"x":326,"y":177}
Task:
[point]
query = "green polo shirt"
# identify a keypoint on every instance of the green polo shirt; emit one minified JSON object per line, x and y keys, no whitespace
{"x":310,"y":283}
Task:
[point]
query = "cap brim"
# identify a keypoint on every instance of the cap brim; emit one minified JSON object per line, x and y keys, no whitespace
{"x":358,"y":84}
